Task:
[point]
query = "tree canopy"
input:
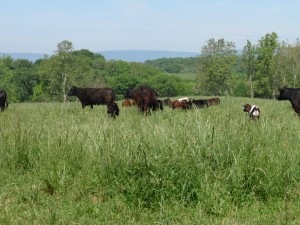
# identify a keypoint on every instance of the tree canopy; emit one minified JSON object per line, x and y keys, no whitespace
{"x":258,"y":71}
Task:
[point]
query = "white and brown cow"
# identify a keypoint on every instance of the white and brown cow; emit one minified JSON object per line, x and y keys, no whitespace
{"x":253,"y":111}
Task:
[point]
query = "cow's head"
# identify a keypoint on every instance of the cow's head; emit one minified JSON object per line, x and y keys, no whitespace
{"x":72,"y":91}
{"x":247,"y":107}
{"x":284,"y":94}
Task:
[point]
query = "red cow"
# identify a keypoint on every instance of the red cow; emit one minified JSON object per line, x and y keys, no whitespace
{"x":184,"y":104}
{"x":127,"y":103}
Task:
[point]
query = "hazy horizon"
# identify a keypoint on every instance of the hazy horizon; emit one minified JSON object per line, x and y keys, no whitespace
{"x":184,"y":26}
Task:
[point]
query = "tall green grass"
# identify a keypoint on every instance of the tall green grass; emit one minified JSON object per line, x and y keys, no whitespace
{"x":64,"y":165}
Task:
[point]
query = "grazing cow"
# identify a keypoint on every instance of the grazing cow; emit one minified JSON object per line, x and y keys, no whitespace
{"x":199,"y":103}
{"x":93,"y":96}
{"x":3,"y":100}
{"x":113,"y":110}
{"x":184,"y":98}
{"x":127,"y":103}
{"x":184,"y":104}
{"x":253,"y":111}
{"x":158,"y":105}
{"x":145,"y":98}
{"x":293,"y":95}
{"x":167,"y":101}
{"x":213,"y":101}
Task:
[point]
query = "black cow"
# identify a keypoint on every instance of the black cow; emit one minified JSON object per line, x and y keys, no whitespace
{"x":200,"y":103}
{"x":293,"y":95}
{"x":145,"y":98}
{"x":113,"y":109}
{"x":3,"y":100}
{"x":158,"y":105}
{"x":93,"y":96}
{"x":167,"y":101}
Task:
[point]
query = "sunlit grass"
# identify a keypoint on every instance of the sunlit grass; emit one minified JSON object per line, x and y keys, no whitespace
{"x":61,"y":164}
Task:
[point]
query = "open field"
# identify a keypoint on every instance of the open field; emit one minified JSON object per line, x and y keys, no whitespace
{"x":60,"y":164}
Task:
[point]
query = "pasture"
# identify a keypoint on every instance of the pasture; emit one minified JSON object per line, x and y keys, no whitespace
{"x":60,"y":164}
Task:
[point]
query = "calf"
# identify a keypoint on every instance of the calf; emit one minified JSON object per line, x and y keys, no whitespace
{"x":113,"y":110}
{"x":253,"y":111}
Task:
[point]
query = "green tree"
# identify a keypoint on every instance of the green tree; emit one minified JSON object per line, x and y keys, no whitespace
{"x":23,"y":80}
{"x":166,"y":85}
{"x":65,"y":61}
{"x":64,"y":69}
{"x":295,"y":63}
{"x":265,"y":81}
{"x":249,"y":63}
{"x":217,"y":60}
{"x":6,"y":74}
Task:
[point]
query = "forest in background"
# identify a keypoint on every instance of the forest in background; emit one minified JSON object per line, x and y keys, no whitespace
{"x":219,"y":70}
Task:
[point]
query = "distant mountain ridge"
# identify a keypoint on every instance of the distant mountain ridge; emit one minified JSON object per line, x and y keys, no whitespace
{"x":19,"y":55}
{"x":124,"y":55}
{"x":143,"y":55}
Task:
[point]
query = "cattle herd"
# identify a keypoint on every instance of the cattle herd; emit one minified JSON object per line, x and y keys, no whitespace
{"x":145,"y":98}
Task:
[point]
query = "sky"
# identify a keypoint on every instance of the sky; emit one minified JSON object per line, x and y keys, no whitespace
{"x":37,"y":26}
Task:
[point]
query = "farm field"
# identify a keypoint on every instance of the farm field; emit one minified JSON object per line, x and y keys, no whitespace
{"x":60,"y":164}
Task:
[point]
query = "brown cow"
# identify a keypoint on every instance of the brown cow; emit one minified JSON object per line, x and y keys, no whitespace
{"x":184,"y":104}
{"x":93,"y":96}
{"x":145,"y":98}
{"x":127,"y":103}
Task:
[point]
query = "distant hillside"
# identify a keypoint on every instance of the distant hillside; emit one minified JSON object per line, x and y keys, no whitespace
{"x":29,"y":56}
{"x":176,"y":65}
{"x":143,"y":55}
{"x":128,"y":55}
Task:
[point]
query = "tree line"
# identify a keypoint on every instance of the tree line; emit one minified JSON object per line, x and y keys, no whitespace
{"x":50,"y":78}
{"x":258,"y":71}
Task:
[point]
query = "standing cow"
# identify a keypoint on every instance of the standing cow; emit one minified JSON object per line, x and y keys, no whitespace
{"x":93,"y":96}
{"x":293,"y":95}
{"x":145,"y":98}
{"x":3,"y":100}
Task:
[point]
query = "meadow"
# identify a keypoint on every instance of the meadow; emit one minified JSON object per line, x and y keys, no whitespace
{"x":60,"y":164}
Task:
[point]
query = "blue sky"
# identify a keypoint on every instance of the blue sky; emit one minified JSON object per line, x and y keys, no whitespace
{"x":37,"y":26}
